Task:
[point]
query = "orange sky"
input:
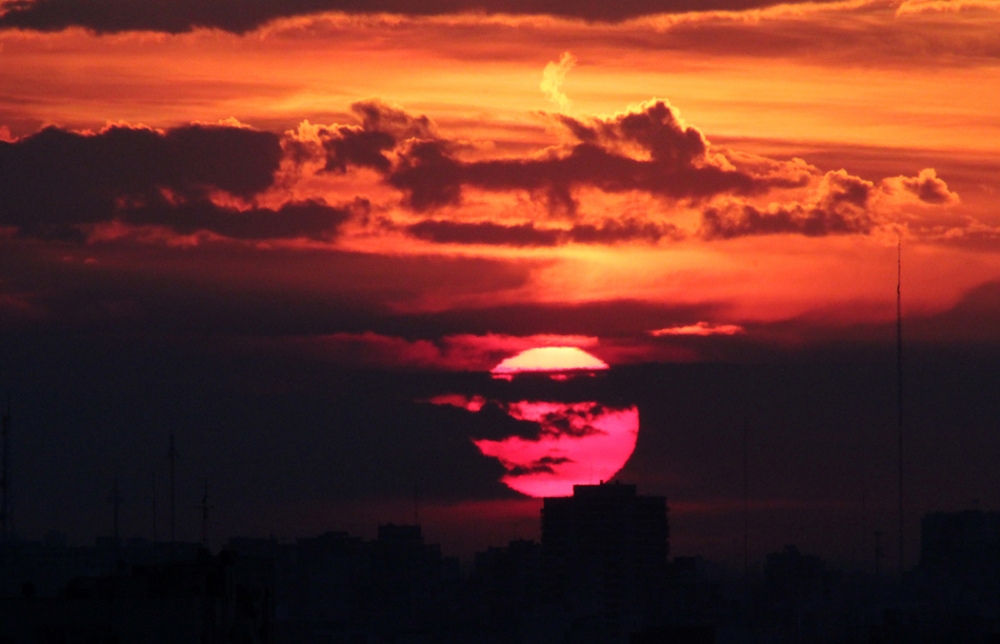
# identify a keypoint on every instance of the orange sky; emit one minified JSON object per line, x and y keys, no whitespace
{"x":437,"y":190}
{"x":880,"y":90}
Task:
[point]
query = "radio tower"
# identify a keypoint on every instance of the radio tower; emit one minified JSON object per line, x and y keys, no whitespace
{"x":899,"y":395}
{"x":5,"y":475}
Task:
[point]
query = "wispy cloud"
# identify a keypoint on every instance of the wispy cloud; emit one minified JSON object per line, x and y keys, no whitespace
{"x":700,"y":328}
{"x":553,"y":77}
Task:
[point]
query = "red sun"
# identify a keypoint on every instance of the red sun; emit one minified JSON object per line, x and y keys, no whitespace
{"x":578,"y":443}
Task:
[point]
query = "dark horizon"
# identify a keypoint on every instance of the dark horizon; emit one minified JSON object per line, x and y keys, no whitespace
{"x":821,"y":440}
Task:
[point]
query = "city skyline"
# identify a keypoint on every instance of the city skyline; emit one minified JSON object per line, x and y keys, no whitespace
{"x":302,"y":238}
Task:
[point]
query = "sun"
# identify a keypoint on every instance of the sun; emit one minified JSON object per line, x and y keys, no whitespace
{"x":577,"y":442}
{"x":550,"y":359}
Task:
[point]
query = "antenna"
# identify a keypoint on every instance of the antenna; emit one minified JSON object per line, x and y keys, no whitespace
{"x":5,"y":475}
{"x":899,"y":394}
{"x":172,"y":457}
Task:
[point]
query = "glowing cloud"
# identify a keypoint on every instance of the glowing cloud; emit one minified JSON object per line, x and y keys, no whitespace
{"x":542,"y":359}
{"x":553,"y":77}
{"x":700,"y":328}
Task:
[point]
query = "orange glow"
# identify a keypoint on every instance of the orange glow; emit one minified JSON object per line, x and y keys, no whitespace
{"x":701,"y":328}
{"x":541,"y":359}
{"x":580,"y":443}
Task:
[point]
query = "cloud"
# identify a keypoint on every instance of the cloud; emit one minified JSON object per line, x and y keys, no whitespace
{"x":609,"y":231}
{"x":552,"y":80}
{"x":699,"y":328}
{"x":56,"y":180}
{"x":648,"y":149}
{"x":460,"y":352}
{"x":295,"y":219}
{"x":938,"y":6}
{"x":382,"y":127}
{"x":486,"y":232}
{"x":926,"y":187}
{"x":113,"y":16}
{"x":841,"y":204}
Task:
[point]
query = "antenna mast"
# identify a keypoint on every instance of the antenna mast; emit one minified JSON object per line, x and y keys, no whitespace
{"x":899,"y":394}
{"x":5,"y":475}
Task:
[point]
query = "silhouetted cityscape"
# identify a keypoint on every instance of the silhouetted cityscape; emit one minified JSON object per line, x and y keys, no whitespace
{"x":601,"y":574}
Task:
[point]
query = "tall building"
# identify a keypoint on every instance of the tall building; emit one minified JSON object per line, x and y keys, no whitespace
{"x":604,"y":555}
{"x":960,"y":561}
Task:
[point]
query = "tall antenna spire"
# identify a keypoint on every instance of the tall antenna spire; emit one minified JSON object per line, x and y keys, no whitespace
{"x":899,"y":394}
{"x":172,"y":457}
{"x":5,"y":476}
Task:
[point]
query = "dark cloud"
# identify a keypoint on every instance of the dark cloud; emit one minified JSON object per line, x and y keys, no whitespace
{"x":111,"y":16}
{"x":55,"y":180}
{"x":648,"y":150}
{"x":229,"y":289}
{"x":492,"y":422}
{"x":609,"y":232}
{"x":927,"y":187}
{"x":541,"y":466}
{"x":630,"y":229}
{"x":841,"y":206}
{"x":453,"y":232}
{"x":307,"y":219}
{"x":738,"y":220}
{"x":382,"y":127}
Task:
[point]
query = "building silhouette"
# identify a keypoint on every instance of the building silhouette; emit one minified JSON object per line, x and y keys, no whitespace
{"x":604,"y":556}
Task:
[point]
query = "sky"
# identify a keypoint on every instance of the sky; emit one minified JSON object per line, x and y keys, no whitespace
{"x":285,"y":231}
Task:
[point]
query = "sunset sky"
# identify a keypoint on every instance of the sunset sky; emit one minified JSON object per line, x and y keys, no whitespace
{"x":279,"y":229}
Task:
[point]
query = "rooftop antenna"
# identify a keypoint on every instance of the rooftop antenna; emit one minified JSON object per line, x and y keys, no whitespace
{"x":172,"y":457}
{"x":5,"y":475}
{"x":899,"y":394}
